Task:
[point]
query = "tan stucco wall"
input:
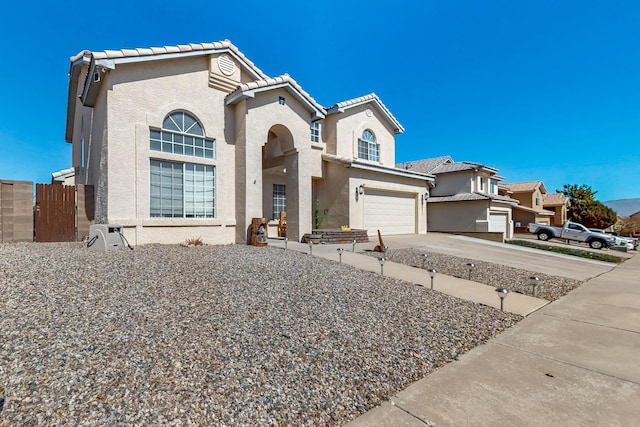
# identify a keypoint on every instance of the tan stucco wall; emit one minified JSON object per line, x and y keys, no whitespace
{"x":449,"y":184}
{"x":139,"y":97}
{"x":457,"y":216}
{"x":332,"y":193}
{"x":262,"y":114}
{"x":353,"y":122}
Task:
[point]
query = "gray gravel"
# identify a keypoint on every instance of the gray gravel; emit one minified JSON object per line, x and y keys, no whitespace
{"x":500,"y":276}
{"x":214,"y":335}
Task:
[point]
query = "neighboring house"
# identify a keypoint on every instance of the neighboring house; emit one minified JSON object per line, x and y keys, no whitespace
{"x":194,"y":141}
{"x":636,"y":218}
{"x":465,"y":197}
{"x":535,"y":205}
{"x":559,"y":204}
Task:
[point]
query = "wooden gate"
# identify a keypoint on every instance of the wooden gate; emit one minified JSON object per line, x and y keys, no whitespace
{"x":55,"y":215}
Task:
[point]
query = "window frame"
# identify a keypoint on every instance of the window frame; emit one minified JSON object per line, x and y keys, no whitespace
{"x":315,"y":132}
{"x":278,"y":196}
{"x":183,"y":198}
{"x":368,"y":148}
{"x":178,"y":138}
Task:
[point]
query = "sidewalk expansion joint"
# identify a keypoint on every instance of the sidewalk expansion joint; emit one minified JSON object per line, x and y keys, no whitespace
{"x":564,"y":362}
{"x":590,"y":323}
{"x":412,"y":415}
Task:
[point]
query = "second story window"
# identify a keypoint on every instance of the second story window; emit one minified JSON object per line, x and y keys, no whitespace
{"x":537,"y":199}
{"x":182,"y":134}
{"x":315,"y":132}
{"x":492,"y":187}
{"x":368,"y":149}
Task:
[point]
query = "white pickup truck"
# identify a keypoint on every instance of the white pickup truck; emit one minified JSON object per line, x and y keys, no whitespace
{"x":572,"y":231}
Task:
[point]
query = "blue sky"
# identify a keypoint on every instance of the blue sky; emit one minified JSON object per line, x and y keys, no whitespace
{"x":541,"y":90}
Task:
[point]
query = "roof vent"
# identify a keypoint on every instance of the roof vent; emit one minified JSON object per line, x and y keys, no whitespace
{"x":226,"y":65}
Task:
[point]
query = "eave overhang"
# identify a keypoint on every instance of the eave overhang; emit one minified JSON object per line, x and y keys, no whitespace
{"x":369,"y":99}
{"x":242,"y":93}
{"x":355,"y":164}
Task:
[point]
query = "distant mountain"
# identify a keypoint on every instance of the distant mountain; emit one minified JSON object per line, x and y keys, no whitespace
{"x":624,"y":207}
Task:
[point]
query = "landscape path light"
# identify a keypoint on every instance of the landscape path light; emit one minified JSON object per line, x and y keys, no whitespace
{"x":502,"y":293}
{"x":424,"y":258}
{"x":471,"y":266}
{"x":534,"y":281}
{"x":310,"y":247}
{"x":432,"y":274}
{"x":340,"y":250}
{"x":382,"y":260}
{"x":353,"y":249}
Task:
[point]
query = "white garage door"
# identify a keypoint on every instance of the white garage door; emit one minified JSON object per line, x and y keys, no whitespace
{"x":391,"y":213}
{"x":498,"y":222}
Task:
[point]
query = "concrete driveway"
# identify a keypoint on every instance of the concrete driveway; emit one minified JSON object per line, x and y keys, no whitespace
{"x":501,"y":253}
{"x":570,"y":363}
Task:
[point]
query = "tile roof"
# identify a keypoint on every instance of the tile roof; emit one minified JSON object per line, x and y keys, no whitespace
{"x":541,"y":212}
{"x":425,"y":165}
{"x":524,"y":187}
{"x":555,"y":199}
{"x":276,"y":81}
{"x":350,"y":162}
{"x":373,"y":98}
{"x":153,"y":51}
{"x":465,"y":197}
{"x":455,"y":167}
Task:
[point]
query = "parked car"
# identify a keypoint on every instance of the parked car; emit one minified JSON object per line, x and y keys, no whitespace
{"x":630,"y":242}
{"x":572,"y":231}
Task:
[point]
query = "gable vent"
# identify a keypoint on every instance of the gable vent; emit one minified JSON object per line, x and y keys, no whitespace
{"x":226,"y":65}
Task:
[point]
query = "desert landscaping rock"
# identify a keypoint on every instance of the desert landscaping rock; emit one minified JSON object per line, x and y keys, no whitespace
{"x":497,"y":275}
{"x":214,"y":335}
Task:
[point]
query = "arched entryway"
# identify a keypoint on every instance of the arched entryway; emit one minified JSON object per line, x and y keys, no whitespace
{"x":280,"y":178}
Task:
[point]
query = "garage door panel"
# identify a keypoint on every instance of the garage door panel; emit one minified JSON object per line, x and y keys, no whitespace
{"x":391,"y":213}
{"x":498,"y":222}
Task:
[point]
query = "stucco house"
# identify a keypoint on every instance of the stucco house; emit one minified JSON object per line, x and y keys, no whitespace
{"x":195,"y":140}
{"x":535,"y":204}
{"x":465,"y":198}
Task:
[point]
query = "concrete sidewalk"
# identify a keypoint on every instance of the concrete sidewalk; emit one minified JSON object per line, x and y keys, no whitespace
{"x":572,"y":363}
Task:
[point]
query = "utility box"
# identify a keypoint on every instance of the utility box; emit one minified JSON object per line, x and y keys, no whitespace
{"x":105,"y":237}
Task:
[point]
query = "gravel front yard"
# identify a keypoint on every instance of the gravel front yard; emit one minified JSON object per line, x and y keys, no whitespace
{"x":214,"y":335}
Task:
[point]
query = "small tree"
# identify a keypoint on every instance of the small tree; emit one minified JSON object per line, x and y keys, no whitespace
{"x":585,"y":209}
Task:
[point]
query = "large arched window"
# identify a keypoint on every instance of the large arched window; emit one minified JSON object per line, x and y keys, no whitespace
{"x":181,"y":133}
{"x":368,"y":149}
{"x":181,"y":189}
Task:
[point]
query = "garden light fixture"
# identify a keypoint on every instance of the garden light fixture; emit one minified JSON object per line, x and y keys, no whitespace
{"x":432,"y":274}
{"x":502,"y":293}
{"x":534,"y":281}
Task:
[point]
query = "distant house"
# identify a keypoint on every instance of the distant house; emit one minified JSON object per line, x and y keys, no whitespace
{"x":535,"y":205}
{"x":465,"y":198}
{"x":195,"y":141}
{"x":636,"y":227}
